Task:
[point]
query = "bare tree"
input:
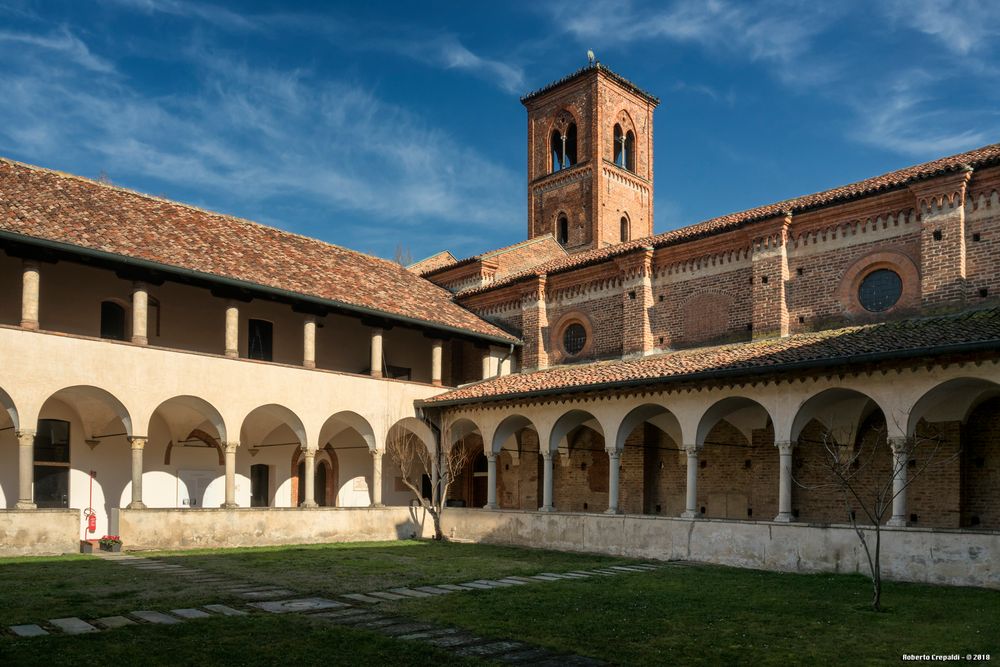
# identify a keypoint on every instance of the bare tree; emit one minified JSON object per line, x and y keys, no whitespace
{"x":403,"y":256}
{"x":855,"y":470}
{"x":443,"y":466}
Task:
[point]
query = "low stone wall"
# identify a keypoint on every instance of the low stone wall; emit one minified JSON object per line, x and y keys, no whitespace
{"x":961,"y":558}
{"x":210,"y":528}
{"x":39,"y":532}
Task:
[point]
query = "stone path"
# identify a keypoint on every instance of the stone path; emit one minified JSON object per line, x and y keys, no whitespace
{"x":357,"y":610}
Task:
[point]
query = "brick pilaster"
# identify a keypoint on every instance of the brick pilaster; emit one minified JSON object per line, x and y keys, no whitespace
{"x":770,"y":276}
{"x":535,"y":325}
{"x":941,"y":203}
{"x":637,"y":302}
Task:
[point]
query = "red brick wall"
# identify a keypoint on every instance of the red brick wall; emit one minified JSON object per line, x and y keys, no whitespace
{"x":980,"y":463}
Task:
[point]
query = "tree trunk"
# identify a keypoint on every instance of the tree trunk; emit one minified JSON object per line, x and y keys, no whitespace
{"x":436,"y":516}
{"x":877,"y":571}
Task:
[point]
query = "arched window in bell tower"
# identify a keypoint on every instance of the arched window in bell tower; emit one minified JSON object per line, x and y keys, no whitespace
{"x":618,"y":147}
{"x":624,"y":226}
{"x":562,"y":229}
{"x":630,"y":151}
{"x":563,"y":147}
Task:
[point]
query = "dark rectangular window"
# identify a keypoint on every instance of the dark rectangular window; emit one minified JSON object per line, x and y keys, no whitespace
{"x":259,"y":340}
{"x":52,"y":441}
{"x":259,"y":485}
{"x":112,"y":321}
{"x":52,"y":463}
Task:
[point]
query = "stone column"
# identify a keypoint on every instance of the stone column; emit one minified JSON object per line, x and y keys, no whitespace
{"x":487,"y":358}
{"x":437,"y":348}
{"x":309,"y":343}
{"x":784,"y":481}
{"x":376,"y":361}
{"x":140,"y":314}
{"x":547,"y":505}
{"x":691,"y":505}
{"x":232,"y":330}
{"x":30,"y":278}
{"x":491,"y":490}
{"x":230,"y":448}
{"x":25,"y":469}
{"x":900,"y":459}
{"x":614,"y":469}
{"x":377,"y":479}
{"x":310,"y":478}
{"x":138,"y":445}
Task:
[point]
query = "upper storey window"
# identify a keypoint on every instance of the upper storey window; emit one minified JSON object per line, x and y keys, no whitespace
{"x":562,"y":229}
{"x":112,"y":321}
{"x":880,"y":290}
{"x":624,"y":148}
{"x":260,"y":337}
{"x":564,"y":147}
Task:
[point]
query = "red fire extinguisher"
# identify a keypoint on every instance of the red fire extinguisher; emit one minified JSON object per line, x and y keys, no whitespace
{"x":89,"y":513}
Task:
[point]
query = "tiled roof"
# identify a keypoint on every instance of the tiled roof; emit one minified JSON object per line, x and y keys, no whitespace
{"x":596,"y":67}
{"x":837,"y":348}
{"x":432,"y":263}
{"x":65,"y":209}
{"x":980,"y":157}
{"x":548,"y":240}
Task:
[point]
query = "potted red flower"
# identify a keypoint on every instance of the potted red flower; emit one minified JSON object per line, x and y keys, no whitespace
{"x":111,"y":543}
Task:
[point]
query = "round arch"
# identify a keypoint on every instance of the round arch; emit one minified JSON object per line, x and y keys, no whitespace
{"x":745,"y":414}
{"x":418,"y":428}
{"x":569,"y":421}
{"x":190,"y":413}
{"x":952,"y":400}
{"x":841,"y":411}
{"x":655,"y":414}
{"x":7,"y":405}
{"x":267,"y":418}
{"x":95,"y":406}
{"x":507,"y":428}
{"x":347,"y":419}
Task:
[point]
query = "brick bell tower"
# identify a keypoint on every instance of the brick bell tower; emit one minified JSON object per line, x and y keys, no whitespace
{"x":590,"y":160}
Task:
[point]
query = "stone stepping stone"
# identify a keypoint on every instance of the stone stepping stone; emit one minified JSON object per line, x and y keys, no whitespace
{"x":553,"y":574}
{"x":409,"y":592}
{"x":580,"y":574}
{"x":437,"y":632}
{"x":513,"y":582}
{"x":386,"y":596}
{"x":361,"y":597}
{"x":264,"y":595}
{"x":493,"y":584}
{"x":483,"y":650}
{"x":545,"y":577}
{"x":433,"y":590}
{"x":454,"y":640}
{"x":573,"y":575}
{"x":157,"y":617}
{"x":112,"y":622}
{"x":647,"y":566}
{"x":406,"y":629}
{"x":224,"y":610}
{"x":476,"y":586}
{"x":355,"y":618}
{"x":72,"y":625}
{"x":514,"y":577}
{"x":532,"y":655}
{"x":605,"y":572}
{"x":344,"y":613}
{"x":379,"y":623}
{"x":624,"y":568}
{"x":190,"y":613}
{"x":30,"y":630}
{"x":301,"y":605}
{"x":452,"y":587}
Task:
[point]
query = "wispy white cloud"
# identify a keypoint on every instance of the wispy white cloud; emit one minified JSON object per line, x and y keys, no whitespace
{"x":213,"y":14}
{"x":62,"y":41}
{"x":254,"y":138}
{"x":960,"y":26}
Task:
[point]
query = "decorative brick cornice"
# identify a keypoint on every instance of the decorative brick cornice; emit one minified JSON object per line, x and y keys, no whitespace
{"x":636,"y":264}
{"x":949,"y":189}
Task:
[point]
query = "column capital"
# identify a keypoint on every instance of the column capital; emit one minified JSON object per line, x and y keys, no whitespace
{"x":230,"y":447}
{"x":898,"y":443}
{"x":692,"y":450}
{"x":376,"y":453}
{"x":491,"y":455}
{"x":546,"y":454}
{"x":138,"y":441}
{"x":25,"y":433}
{"x":308,"y":453}
{"x":785,"y":446}
{"x":613,"y":453}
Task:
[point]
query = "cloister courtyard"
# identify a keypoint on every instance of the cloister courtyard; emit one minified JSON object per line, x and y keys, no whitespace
{"x":457,"y":603}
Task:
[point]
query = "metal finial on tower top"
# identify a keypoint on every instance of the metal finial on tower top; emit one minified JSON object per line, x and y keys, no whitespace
{"x":591,"y":58}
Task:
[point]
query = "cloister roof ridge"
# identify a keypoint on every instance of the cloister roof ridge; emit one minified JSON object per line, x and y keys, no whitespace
{"x":943,"y":344}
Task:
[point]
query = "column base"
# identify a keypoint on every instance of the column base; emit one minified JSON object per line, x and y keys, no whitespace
{"x":136,"y":505}
{"x":547,"y":508}
{"x":613,"y":510}
{"x":897,"y":522}
{"x":784,"y":517}
{"x":308,"y":364}
{"x":25,"y":505}
{"x":232,"y":354}
{"x":491,"y":506}
{"x":690,"y":514}
{"x":377,"y":505}
{"x":32,"y":325}
{"x":309,"y":504}
{"x":140,"y":340}
{"x":229,"y":506}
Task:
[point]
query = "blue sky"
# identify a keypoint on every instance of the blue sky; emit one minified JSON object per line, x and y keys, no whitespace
{"x":372,"y":124}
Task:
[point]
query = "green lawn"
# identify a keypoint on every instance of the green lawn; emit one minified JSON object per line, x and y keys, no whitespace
{"x":674,"y":615}
{"x":718,"y":615}
{"x":333,"y":569}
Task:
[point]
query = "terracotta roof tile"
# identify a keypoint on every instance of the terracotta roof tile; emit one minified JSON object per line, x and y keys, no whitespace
{"x":596,"y":67}
{"x":985,"y":156}
{"x":53,"y":206}
{"x":837,"y":347}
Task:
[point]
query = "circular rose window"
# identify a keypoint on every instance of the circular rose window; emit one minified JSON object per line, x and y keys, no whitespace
{"x":880,"y":290}
{"x":574,"y":338}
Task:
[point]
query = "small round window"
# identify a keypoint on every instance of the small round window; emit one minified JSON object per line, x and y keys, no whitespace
{"x":574,"y":338}
{"x":880,"y":290}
